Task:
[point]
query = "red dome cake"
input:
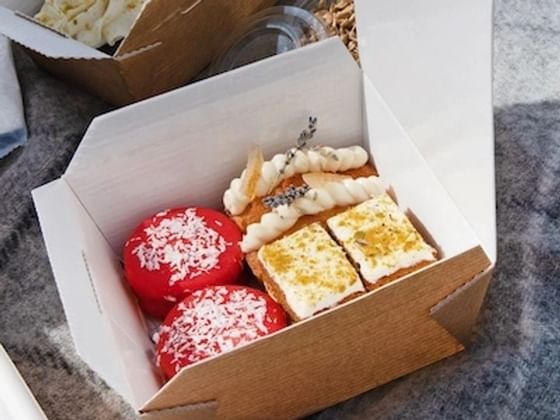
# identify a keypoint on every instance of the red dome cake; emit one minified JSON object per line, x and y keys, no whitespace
{"x":175,"y":252}
{"x":212,"y":321}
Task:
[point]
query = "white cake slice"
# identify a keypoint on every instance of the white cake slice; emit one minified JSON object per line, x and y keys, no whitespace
{"x":308,"y":272}
{"x":380,"y":239}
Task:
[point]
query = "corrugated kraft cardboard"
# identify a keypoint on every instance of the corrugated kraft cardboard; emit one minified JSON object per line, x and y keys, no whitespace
{"x":186,"y":34}
{"x":458,"y":312}
{"x":101,"y":77}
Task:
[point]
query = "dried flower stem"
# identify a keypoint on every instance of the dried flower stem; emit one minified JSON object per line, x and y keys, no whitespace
{"x":301,"y":143}
{"x":339,"y":16}
{"x":286,"y":197}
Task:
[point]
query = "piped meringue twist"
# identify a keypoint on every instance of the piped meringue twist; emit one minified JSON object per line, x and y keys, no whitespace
{"x":316,"y":200}
{"x":274,"y":171}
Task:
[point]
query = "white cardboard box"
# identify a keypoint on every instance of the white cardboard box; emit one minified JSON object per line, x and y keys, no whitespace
{"x":183,"y":148}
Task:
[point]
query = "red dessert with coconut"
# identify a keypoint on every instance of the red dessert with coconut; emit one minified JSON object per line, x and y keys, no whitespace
{"x":212,"y":321}
{"x":178,"y":251}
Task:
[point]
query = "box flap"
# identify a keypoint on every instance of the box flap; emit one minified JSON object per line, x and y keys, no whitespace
{"x":25,"y":31}
{"x":431,"y":62}
{"x":104,"y":320}
{"x":101,"y":77}
{"x":413,"y":183}
{"x":137,"y":154}
{"x":183,"y":34}
{"x":435,"y":213}
{"x":197,"y":22}
{"x":458,"y":312}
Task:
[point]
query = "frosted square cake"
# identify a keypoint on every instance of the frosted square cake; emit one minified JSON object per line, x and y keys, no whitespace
{"x":308,"y":272}
{"x":380,"y":240}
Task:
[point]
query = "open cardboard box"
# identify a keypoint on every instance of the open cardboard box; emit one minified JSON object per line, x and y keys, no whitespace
{"x":170,"y":42}
{"x":183,"y":148}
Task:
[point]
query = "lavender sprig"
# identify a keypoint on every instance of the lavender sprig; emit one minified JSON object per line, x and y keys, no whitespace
{"x":307,"y":134}
{"x":286,"y":197}
{"x":301,"y":142}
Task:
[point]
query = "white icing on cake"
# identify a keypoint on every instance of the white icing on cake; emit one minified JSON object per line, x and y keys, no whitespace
{"x":183,"y":242}
{"x":333,"y":194}
{"x":380,"y":238}
{"x":310,"y":269}
{"x":93,"y":22}
{"x":323,"y":159}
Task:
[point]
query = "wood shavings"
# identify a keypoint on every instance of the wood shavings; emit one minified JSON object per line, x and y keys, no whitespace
{"x":340,"y":18}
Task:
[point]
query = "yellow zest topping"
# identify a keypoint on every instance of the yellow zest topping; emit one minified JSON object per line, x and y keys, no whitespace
{"x":310,"y":261}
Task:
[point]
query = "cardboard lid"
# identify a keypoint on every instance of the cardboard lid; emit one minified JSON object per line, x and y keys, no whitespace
{"x":102,"y":315}
{"x":431,"y":62}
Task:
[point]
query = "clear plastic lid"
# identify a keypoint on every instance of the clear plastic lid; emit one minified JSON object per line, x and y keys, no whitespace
{"x":272,"y":31}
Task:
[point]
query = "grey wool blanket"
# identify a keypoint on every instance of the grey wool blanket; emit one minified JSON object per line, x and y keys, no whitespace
{"x":512,"y":369}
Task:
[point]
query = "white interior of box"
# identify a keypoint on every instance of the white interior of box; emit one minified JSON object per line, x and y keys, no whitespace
{"x":183,"y":148}
{"x":219,"y":118}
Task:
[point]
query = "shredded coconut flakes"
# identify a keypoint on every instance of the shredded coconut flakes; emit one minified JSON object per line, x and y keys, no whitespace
{"x":220,"y":321}
{"x":184,"y":242}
